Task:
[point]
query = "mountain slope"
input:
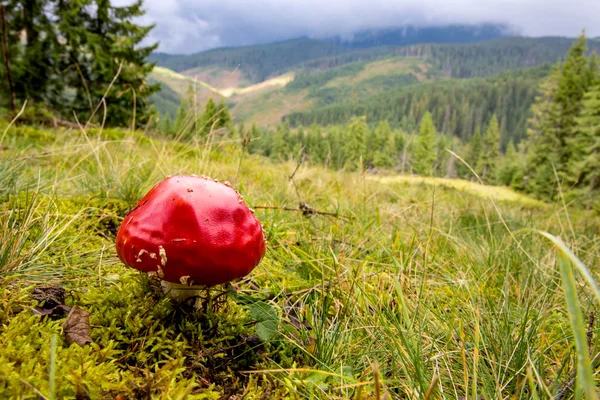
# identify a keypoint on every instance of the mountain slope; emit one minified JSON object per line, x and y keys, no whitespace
{"x":256,"y":63}
{"x":351,"y":75}
{"x":459,"y":107}
{"x":260,"y":62}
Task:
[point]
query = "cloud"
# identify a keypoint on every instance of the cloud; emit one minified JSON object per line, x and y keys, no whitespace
{"x":186,"y":26}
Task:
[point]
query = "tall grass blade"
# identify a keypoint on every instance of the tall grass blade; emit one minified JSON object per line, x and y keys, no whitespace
{"x":583,"y":270}
{"x":585,"y":375}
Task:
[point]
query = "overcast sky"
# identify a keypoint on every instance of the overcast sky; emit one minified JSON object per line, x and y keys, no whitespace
{"x":187,"y":26}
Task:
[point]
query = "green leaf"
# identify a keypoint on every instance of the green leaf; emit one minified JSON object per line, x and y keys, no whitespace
{"x":267,"y":318}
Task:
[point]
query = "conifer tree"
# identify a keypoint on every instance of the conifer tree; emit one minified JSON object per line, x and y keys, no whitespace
{"x":167,"y":125}
{"x":474,"y":156}
{"x":223,"y":115}
{"x":278,"y":143}
{"x":214,"y":117}
{"x":443,"y":142}
{"x":585,"y":168}
{"x":355,"y":147}
{"x":491,"y":150}
{"x":108,"y":33}
{"x":336,"y":148}
{"x":425,"y":147}
{"x":316,"y":144}
{"x":542,"y":144}
{"x":66,"y":55}
{"x":552,"y":128}
{"x":252,"y":140}
{"x":573,"y":82}
{"x":508,"y":166}
{"x":33,"y":50}
{"x":383,"y":146}
{"x":209,"y":119}
{"x":185,"y":118}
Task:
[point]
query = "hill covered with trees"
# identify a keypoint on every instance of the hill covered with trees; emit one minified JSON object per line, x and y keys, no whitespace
{"x":357,"y":75}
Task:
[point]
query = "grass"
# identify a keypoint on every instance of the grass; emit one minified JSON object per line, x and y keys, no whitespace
{"x":433,"y":289}
{"x":387,"y":67}
{"x":497,"y":193}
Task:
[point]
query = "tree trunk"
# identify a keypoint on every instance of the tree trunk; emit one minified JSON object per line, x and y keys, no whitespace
{"x":4,"y":39}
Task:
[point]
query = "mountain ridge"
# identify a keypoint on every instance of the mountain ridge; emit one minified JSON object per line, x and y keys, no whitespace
{"x":358,"y":72}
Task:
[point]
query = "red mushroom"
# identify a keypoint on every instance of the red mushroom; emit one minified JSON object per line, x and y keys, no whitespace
{"x":191,"y":232}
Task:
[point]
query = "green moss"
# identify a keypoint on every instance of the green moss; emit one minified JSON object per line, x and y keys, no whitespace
{"x":143,"y":344}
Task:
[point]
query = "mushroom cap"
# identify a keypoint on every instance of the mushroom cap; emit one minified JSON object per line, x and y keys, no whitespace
{"x":192,"y":230}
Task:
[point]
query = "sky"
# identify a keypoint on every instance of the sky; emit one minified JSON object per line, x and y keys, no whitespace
{"x":188,"y":26}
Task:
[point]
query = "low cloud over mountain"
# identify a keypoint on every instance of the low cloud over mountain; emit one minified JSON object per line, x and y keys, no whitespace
{"x":185,"y":26}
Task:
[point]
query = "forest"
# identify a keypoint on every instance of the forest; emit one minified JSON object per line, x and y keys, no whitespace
{"x":535,"y":130}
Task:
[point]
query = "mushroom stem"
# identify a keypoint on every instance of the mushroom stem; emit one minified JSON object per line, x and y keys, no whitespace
{"x":179,"y":292}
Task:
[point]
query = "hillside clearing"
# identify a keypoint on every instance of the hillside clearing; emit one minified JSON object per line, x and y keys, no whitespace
{"x":386,"y":67}
{"x":495,"y":193}
{"x":276,"y":82}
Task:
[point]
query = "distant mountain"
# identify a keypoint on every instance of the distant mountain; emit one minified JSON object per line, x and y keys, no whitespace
{"x":260,"y":62}
{"x":257,"y":63}
{"x":408,"y":35}
{"x":303,"y":80}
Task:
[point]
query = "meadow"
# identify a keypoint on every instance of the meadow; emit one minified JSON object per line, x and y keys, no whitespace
{"x":397,"y":288}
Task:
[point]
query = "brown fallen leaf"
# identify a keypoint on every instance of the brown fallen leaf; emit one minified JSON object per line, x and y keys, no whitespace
{"x":53,"y":313}
{"x":77,"y":327}
{"x":48,"y":296}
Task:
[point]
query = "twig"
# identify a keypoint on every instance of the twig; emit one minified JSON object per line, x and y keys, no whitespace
{"x":13,"y":121}
{"x":245,"y":142}
{"x":306,"y":210}
{"x":291,"y":177}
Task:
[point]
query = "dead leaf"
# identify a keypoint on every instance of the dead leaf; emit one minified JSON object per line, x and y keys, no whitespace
{"x":77,"y":327}
{"x":48,"y":296}
{"x":53,"y":313}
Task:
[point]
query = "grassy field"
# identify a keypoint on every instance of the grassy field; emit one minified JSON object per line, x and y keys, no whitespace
{"x":417,"y":289}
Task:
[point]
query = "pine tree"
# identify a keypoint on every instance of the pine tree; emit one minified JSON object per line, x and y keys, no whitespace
{"x":279,"y":149}
{"x":252,"y":140}
{"x":383,"y":146}
{"x":508,"y":166}
{"x":355,"y":148}
{"x":574,"y":81}
{"x":108,"y":33}
{"x":223,"y":115}
{"x":474,"y":156}
{"x":425,"y":151}
{"x":316,"y":144}
{"x":33,"y":62}
{"x":29,"y":56}
{"x":443,"y":142}
{"x":585,"y":168}
{"x":167,"y":126}
{"x":542,"y":143}
{"x":491,"y":150}
{"x":185,"y":125}
{"x":66,"y":55}
{"x":209,"y":119}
